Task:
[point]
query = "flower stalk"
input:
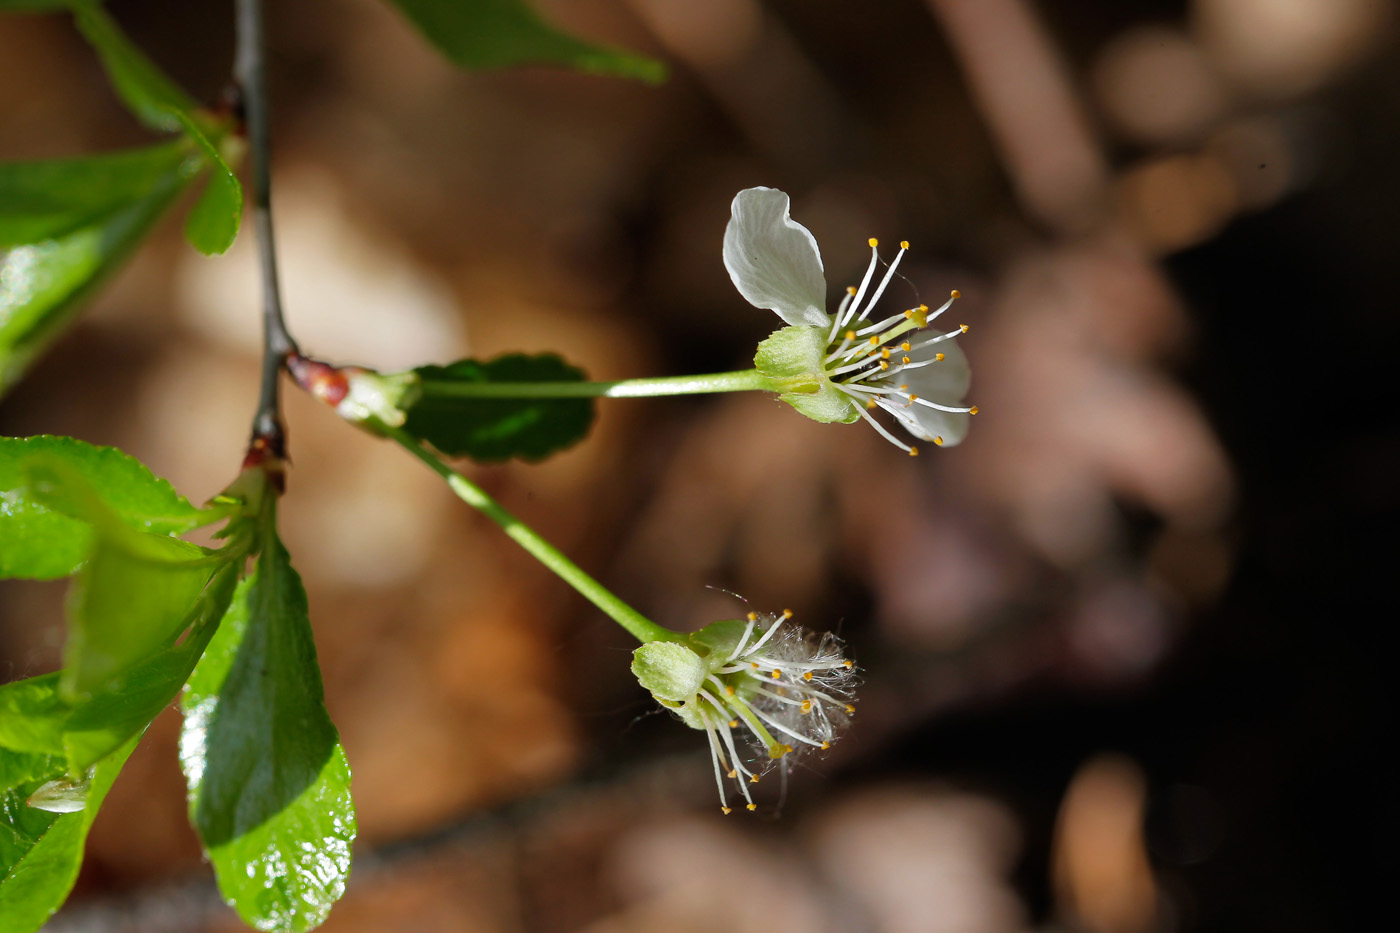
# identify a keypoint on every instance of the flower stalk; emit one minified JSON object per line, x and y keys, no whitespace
{"x":744,"y":380}
{"x":640,"y":627}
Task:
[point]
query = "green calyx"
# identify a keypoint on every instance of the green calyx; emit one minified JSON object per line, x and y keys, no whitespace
{"x":669,"y":671}
{"x":795,"y":359}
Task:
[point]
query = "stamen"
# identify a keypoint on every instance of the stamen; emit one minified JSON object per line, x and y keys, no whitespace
{"x":767,"y":635}
{"x":889,"y":274}
{"x":748,"y":630}
{"x":844,"y":319}
{"x":875,"y":424}
{"x":941,"y":337}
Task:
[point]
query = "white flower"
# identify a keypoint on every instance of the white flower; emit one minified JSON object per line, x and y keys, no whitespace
{"x":840,"y":365}
{"x":784,"y":689}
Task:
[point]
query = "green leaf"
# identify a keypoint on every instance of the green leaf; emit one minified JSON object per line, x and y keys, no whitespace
{"x":50,"y":198}
{"x":213,"y":223}
{"x":498,"y":33}
{"x":125,"y":707}
{"x":40,"y":851}
{"x":269,"y":786}
{"x":45,"y":532}
{"x":144,"y":88}
{"x":41,"y":283}
{"x":32,"y":715}
{"x":134,"y":597}
{"x":488,"y":429}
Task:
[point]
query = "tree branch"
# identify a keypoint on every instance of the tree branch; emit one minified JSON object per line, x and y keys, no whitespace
{"x":250,"y":73}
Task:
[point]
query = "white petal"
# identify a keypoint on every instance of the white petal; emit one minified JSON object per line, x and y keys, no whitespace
{"x":945,"y":382}
{"x":928,"y":423}
{"x":773,"y":260}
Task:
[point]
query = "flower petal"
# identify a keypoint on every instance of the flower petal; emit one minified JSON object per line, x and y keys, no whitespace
{"x":946,"y":383}
{"x":773,"y":260}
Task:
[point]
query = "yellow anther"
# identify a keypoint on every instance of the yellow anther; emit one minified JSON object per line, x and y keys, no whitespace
{"x":885,"y":353}
{"x":956,"y":294}
{"x":938,"y":440}
{"x":826,"y":745}
{"x":806,"y":706}
{"x":884,"y":365}
{"x":903,"y":244}
{"x":753,"y":617}
{"x":874,"y":340}
{"x":913,"y":451}
{"x":849,"y":664}
{"x":787,"y":613}
{"x":733,"y":723}
{"x":777,"y":673}
{"x":909,"y":315}
{"x":874,"y":242}
{"x":754,"y":663}
{"x":753,"y":779}
{"x":972,"y":410}
{"x":850,"y":290}
{"x":923,"y":308}
{"x":913,"y":398}
{"x":787,"y":749}
{"x":872,"y":404}
{"x":906,"y":346}
{"x":964,"y":328}
{"x":939,"y":357}
{"x":807,"y":675}
{"x":753,"y":806}
{"x":732,"y":773}
{"x":850,"y":709}
{"x":726,"y":811}
{"x":904,"y":388}
{"x":904,"y":359}
{"x":729,"y":689}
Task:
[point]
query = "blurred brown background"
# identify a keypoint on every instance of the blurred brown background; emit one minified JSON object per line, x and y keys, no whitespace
{"x":1122,"y":671}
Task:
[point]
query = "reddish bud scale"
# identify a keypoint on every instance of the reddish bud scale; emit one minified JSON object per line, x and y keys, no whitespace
{"x":322,"y":380}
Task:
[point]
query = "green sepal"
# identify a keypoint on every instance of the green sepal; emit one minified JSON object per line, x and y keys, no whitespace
{"x":796,"y":355}
{"x":669,"y":671}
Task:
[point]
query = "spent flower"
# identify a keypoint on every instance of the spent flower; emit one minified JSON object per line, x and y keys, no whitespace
{"x":840,"y":366}
{"x":762,"y":682}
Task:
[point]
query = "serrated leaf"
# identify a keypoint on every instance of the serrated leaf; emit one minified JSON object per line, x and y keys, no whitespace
{"x":41,"y":283}
{"x":40,"y":851}
{"x":44,"y":199}
{"x":498,"y":33}
{"x":46,"y":533}
{"x":151,"y":96}
{"x":269,"y":786}
{"x":491,"y":429}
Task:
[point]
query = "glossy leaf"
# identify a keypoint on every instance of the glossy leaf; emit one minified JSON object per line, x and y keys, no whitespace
{"x":498,"y":33}
{"x":40,"y":851}
{"x":45,"y":532}
{"x":32,"y":716}
{"x":124,"y":707}
{"x":488,"y":429}
{"x":133,"y":598}
{"x":213,"y":222}
{"x":50,"y":198}
{"x":147,"y":92}
{"x":269,"y":786}
{"x":41,"y":283}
